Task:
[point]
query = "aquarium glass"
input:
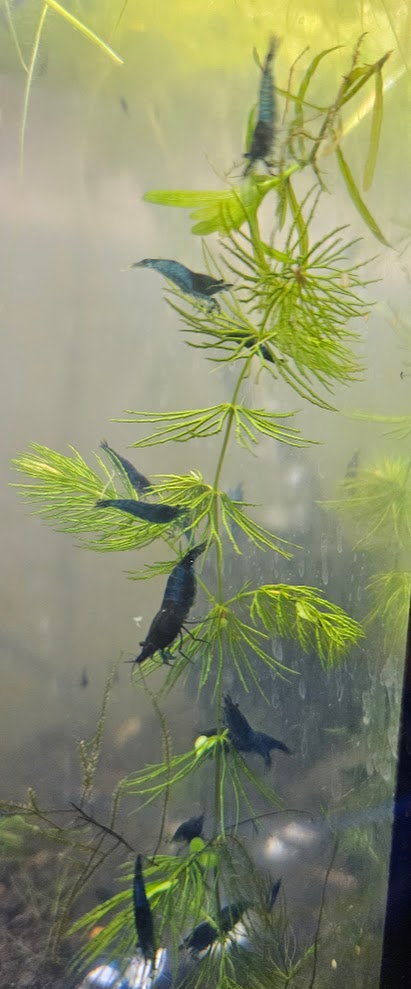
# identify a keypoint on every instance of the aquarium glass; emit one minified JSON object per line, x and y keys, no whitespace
{"x":206,"y":488}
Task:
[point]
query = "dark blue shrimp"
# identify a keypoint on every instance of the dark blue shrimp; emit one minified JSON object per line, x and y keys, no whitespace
{"x":204,"y":935}
{"x":245,"y":738}
{"x":262,"y":744}
{"x":263,"y":135}
{"x":265,"y":353}
{"x":164,"y":628}
{"x":200,"y":938}
{"x":240,"y":732}
{"x":200,"y":286}
{"x":140,"y":483}
{"x":352,"y":466}
{"x":249,"y":342}
{"x":178,"y":598}
{"x":274,"y":891}
{"x":181,"y":585}
{"x":142,"y":914}
{"x":156,"y":514}
{"x":189,"y":829}
{"x":232,"y":914}
{"x":263,"y":350}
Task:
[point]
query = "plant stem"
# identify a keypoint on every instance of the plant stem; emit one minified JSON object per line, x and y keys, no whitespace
{"x":220,"y":596}
{"x":256,"y":241}
{"x":219,"y":468}
{"x":229,"y":422}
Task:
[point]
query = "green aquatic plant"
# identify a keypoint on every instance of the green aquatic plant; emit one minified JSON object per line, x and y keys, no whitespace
{"x":376,"y":507}
{"x":225,"y":210}
{"x":79,"y":852}
{"x":390,"y":595}
{"x":291,"y":310}
{"x":378,"y":500}
{"x":15,"y":832}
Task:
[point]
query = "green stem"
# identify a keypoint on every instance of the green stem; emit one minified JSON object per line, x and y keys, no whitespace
{"x":220,"y":462}
{"x":220,"y":594}
{"x":256,"y":241}
{"x":29,"y":80}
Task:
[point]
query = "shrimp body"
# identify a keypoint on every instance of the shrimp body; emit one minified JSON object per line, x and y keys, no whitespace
{"x":204,"y":935}
{"x":143,"y":917}
{"x":157,"y":514}
{"x":264,"y":130}
{"x":179,"y":596}
{"x":182,"y":585}
{"x":140,"y":483}
{"x":189,"y":829}
{"x":244,"y":738}
{"x":262,"y":744}
{"x":266,"y":101}
{"x":200,"y":938}
{"x":240,"y":732}
{"x":164,"y":628}
{"x":200,"y":286}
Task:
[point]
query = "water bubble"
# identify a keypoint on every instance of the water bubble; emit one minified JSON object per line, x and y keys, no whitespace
{"x":339,"y":538}
{"x":302,"y":689}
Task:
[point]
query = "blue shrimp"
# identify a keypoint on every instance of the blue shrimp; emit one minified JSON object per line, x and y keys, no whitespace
{"x":143,"y":917}
{"x":204,"y":935}
{"x":156,"y":514}
{"x":190,"y":829}
{"x":140,"y":483}
{"x":178,"y":598}
{"x":244,"y":738}
{"x":181,"y":585}
{"x":197,"y":284}
{"x":264,"y":130}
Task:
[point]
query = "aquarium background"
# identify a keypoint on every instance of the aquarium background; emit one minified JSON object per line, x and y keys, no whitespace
{"x":84,"y":340}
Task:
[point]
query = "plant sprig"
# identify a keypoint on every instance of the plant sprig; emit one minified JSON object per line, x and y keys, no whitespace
{"x":292,"y":308}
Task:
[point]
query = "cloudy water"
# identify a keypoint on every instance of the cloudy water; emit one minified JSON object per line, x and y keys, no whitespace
{"x":85,"y":338}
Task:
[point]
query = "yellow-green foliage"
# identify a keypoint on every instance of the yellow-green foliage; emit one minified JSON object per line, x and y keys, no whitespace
{"x":378,"y":501}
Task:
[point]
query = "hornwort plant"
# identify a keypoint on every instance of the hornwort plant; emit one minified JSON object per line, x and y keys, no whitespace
{"x":287,"y":308}
{"x":374,"y":503}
